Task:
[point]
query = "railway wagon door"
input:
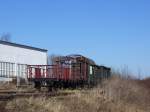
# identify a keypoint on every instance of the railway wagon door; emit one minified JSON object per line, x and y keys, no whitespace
{"x":66,"y":74}
{"x":37,"y":73}
{"x":91,"y":75}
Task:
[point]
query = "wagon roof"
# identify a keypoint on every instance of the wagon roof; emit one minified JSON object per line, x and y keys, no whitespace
{"x":78,"y":56}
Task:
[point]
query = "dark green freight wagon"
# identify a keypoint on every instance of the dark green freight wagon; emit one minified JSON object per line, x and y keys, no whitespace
{"x":97,"y":74}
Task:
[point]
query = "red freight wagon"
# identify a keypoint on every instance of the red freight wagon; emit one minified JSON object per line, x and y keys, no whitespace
{"x":67,"y":70}
{"x":57,"y":72}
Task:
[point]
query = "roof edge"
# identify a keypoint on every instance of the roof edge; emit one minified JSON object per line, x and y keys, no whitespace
{"x":22,"y":46}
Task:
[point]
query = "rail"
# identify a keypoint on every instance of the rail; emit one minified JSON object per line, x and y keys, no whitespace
{"x":10,"y":95}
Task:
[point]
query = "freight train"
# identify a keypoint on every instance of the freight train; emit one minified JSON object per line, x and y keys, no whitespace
{"x":68,"y":71}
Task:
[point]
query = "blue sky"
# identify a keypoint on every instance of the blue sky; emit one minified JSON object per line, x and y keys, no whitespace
{"x":112,"y":32}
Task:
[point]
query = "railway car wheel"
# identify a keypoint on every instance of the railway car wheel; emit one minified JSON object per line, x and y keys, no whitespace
{"x":37,"y":85}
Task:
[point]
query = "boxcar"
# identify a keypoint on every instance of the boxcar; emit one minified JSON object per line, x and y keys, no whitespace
{"x":101,"y":73}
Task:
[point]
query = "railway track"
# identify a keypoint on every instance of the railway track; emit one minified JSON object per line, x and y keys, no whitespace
{"x":9,"y":95}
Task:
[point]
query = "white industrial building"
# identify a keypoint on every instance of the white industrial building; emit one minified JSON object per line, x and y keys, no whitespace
{"x":14,"y":59}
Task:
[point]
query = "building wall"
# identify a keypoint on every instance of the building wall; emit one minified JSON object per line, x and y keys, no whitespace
{"x":22,"y":55}
{"x":13,"y":60}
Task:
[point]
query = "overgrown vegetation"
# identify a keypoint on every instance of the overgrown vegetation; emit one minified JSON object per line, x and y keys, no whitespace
{"x":118,"y":94}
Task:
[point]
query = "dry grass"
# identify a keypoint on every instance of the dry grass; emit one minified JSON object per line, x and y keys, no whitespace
{"x":114,"y":95}
{"x":7,"y":86}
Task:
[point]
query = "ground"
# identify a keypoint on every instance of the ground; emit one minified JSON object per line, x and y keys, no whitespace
{"x":114,"y":95}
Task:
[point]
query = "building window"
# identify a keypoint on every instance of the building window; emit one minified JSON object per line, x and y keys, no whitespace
{"x":7,"y":69}
{"x":22,"y":70}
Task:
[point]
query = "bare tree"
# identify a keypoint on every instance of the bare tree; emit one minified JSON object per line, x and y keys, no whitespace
{"x":52,"y":59}
{"x":5,"y":37}
{"x":139,"y":73}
